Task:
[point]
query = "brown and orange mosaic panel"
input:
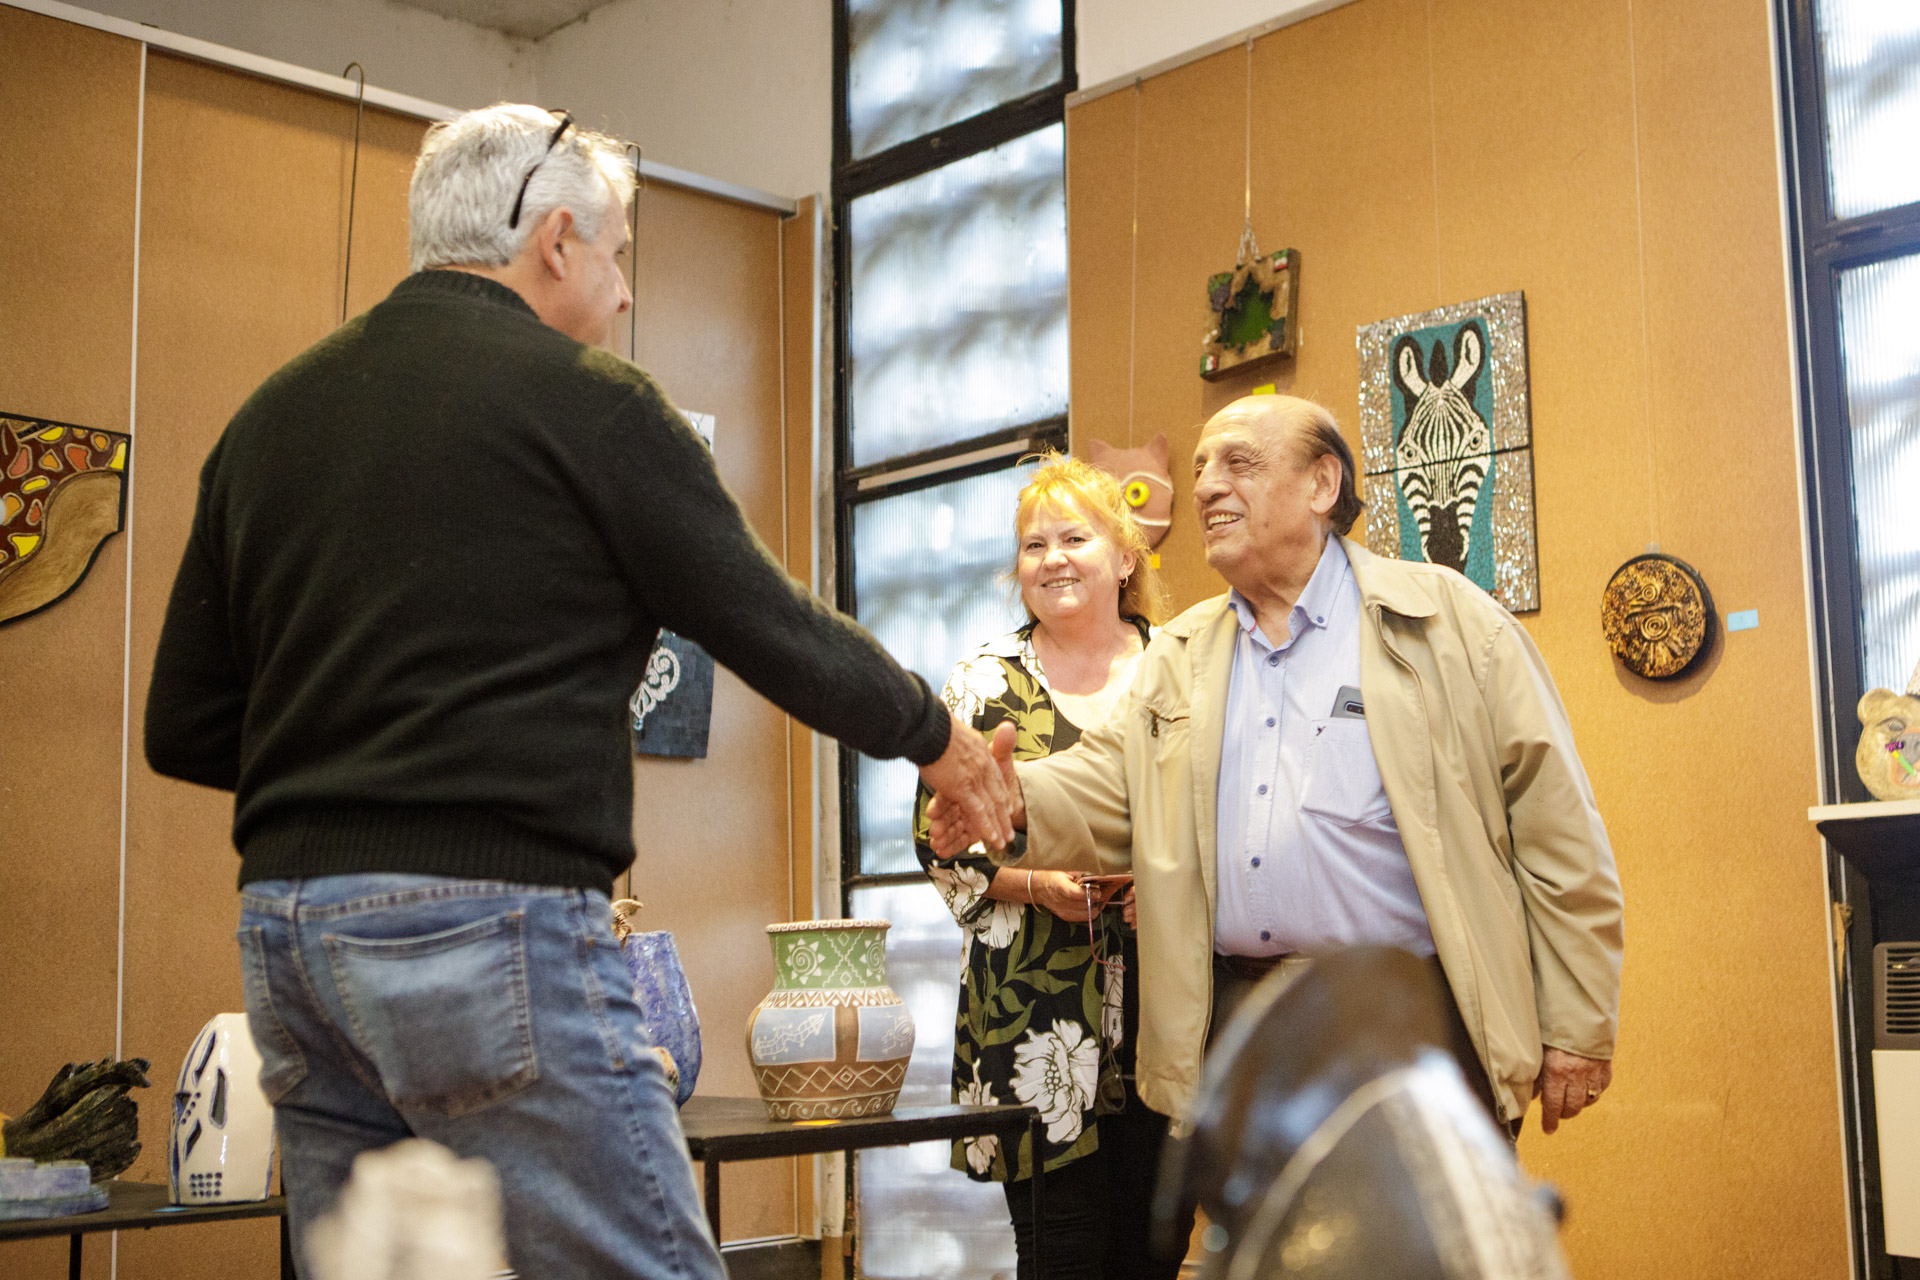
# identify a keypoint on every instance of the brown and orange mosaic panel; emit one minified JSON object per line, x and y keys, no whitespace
{"x":62,"y":494}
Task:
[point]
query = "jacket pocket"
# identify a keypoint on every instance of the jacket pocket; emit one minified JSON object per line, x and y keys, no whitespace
{"x":1342,"y":780}
{"x":445,"y":1017}
{"x":282,"y":1065}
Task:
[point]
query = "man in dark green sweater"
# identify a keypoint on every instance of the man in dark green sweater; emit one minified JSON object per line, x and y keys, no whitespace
{"x":428,"y":562}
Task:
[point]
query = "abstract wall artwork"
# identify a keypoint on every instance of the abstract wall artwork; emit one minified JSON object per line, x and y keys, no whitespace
{"x":673,"y":707}
{"x":1447,"y":443}
{"x":62,"y":494}
{"x":1253,"y":308}
{"x":1145,"y":484}
{"x":1658,"y":616}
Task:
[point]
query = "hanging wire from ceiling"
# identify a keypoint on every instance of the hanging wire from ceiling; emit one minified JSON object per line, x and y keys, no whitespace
{"x":1248,"y":247}
{"x":353,"y":187}
{"x":1133,"y":296}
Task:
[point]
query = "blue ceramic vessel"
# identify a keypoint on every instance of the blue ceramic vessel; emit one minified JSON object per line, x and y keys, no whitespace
{"x":660,"y":985}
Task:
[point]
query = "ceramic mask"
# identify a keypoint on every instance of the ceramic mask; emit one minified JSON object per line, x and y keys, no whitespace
{"x":221,"y":1150}
{"x":1145,"y":482}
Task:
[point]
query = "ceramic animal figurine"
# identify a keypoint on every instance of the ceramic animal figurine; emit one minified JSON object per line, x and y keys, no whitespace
{"x":1888,"y":758}
{"x":221,"y":1150}
{"x":831,"y":1039}
{"x":1145,"y":482}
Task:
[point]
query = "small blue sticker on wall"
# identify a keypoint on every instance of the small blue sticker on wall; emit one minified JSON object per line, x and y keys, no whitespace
{"x":1744,"y":620}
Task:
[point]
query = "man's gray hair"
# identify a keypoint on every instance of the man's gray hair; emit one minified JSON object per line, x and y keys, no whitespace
{"x":469,"y":173}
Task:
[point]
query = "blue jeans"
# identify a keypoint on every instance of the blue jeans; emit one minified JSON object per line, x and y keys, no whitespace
{"x":495,"y":1019}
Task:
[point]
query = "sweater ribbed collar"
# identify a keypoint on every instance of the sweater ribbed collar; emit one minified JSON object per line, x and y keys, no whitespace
{"x":462,"y":284}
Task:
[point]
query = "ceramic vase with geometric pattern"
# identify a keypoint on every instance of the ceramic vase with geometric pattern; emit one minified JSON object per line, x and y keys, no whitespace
{"x":831,"y":1039}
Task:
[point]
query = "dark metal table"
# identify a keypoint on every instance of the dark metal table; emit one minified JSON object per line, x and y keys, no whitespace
{"x":140,"y":1206}
{"x":722,"y":1129}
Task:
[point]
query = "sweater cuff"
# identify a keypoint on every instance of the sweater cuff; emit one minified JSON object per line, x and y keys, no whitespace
{"x":929,"y":742}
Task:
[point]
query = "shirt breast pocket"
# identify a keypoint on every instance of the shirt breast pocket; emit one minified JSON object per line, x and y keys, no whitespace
{"x":1342,"y":781}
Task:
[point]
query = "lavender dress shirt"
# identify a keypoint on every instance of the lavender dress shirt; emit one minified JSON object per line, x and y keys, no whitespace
{"x":1309,"y":858}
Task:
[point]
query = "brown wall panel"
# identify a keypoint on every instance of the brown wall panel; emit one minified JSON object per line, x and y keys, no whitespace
{"x":243,"y":243}
{"x":69,"y":112}
{"x":1617,"y":163}
{"x":714,"y":863}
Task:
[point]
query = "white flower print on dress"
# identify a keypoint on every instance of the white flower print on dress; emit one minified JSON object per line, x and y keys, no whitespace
{"x":960,"y":887}
{"x":973,"y":684}
{"x":982,"y":1149}
{"x":1056,"y":1072}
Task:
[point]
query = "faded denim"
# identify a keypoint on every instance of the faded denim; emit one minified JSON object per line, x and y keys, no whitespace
{"x":495,"y":1019}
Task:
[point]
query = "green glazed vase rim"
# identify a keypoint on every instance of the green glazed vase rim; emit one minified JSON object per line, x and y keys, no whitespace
{"x":799,"y":926}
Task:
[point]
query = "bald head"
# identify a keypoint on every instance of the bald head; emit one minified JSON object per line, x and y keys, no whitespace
{"x":1272,"y":478}
{"x":1306,"y":428}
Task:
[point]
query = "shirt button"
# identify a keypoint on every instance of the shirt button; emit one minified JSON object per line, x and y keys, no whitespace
{"x":1273,"y":659}
{"x":1263,"y":788}
{"x":1256,"y":862}
{"x":1265,"y":936}
{"x":1269,"y":722}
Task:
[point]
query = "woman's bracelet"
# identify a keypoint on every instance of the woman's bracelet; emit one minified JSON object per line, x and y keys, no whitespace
{"x":1030,"y":901}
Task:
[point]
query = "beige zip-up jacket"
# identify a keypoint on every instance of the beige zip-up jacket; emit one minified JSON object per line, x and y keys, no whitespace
{"x":1499,"y":822}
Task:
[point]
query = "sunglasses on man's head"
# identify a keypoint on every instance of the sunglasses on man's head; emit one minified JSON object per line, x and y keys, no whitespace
{"x":566,"y":123}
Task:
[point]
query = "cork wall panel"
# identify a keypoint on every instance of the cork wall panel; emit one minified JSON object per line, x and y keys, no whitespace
{"x":714,"y":864}
{"x":1617,"y":163}
{"x":242,"y":257}
{"x":69,"y":112}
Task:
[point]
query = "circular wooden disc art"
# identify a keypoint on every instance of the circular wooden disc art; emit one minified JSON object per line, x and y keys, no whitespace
{"x":1657,"y":616}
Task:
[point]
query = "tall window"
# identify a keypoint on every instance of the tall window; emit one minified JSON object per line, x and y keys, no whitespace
{"x":1852,"y":79}
{"x":950,"y":263}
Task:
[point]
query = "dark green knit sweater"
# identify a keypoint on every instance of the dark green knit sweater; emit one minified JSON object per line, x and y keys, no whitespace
{"x":429,"y":559}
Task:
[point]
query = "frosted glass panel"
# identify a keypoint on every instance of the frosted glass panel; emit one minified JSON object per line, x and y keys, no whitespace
{"x":1880,"y":350}
{"x":915,"y":66}
{"x":959,"y":300}
{"x":927,"y":582}
{"x":919,"y":1217}
{"x":1870,"y":51}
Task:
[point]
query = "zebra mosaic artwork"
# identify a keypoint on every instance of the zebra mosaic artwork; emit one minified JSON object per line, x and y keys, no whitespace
{"x":1447,"y":443}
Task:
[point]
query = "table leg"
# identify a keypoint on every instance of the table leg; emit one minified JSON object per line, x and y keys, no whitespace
{"x":713,"y":1198}
{"x":287,"y":1271}
{"x":1036,"y":1128}
{"x":73,"y":1255}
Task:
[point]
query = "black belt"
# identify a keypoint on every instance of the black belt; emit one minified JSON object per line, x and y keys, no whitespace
{"x":1249,"y":968}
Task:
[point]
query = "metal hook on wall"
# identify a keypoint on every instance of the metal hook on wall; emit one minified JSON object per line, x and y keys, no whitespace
{"x":353,"y":188}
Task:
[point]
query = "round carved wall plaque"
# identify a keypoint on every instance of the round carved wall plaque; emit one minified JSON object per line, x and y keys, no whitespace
{"x":1657,"y":616}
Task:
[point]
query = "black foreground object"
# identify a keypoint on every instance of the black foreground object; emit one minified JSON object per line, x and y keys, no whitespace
{"x":85,"y":1114}
{"x":1335,"y":1138}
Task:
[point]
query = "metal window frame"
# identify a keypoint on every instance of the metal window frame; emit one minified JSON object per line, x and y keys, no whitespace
{"x":855,"y":486}
{"x":1819,"y":248}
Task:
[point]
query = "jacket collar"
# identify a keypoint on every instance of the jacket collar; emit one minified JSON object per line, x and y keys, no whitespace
{"x":1388,"y":584}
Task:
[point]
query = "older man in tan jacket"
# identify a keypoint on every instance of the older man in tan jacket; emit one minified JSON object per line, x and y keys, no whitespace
{"x":1435,"y":802}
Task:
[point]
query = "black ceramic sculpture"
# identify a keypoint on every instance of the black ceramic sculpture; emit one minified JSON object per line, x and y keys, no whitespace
{"x":1334,"y":1138}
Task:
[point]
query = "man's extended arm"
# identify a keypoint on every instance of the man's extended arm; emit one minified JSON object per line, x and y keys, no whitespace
{"x":1563,"y":865}
{"x":1073,"y":806}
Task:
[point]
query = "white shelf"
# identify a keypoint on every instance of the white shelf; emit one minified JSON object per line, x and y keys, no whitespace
{"x":1872,"y":809}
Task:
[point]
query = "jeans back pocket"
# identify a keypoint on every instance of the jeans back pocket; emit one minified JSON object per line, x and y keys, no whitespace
{"x":282,"y":1066}
{"x":444,"y":1017}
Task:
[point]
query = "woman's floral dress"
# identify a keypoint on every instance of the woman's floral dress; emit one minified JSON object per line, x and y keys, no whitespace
{"x":1041,"y":1023}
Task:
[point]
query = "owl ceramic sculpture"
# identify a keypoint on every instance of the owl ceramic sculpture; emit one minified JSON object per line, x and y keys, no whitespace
{"x":1144,"y":480}
{"x":1888,"y":757}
